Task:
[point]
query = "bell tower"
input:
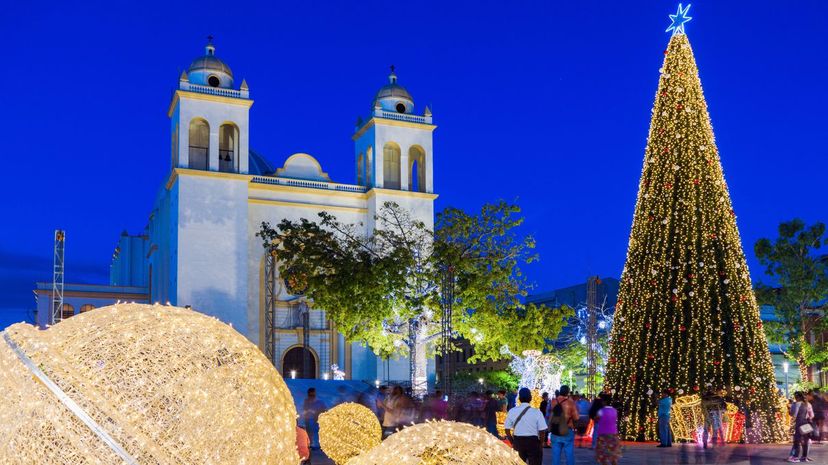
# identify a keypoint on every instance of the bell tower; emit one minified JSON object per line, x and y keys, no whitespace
{"x":393,"y":147}
{"x":209,"y":117}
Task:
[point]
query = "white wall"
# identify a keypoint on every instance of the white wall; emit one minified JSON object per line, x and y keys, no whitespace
{"x":212,"y":252}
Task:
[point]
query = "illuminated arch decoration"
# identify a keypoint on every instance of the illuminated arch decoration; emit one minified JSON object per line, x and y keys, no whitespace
{"x":141,"y":384}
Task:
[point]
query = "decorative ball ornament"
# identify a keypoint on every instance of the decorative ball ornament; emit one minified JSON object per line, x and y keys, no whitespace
{"x":141,"y":384}
{"x":440,"y":443}
{"x":347,"y":430}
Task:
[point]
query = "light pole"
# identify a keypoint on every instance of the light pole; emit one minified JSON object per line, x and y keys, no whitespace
{"x":785,"y":369}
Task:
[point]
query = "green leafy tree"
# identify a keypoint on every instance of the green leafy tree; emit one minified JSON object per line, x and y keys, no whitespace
{"x":800,"y":285}
{"x":382,"y":287}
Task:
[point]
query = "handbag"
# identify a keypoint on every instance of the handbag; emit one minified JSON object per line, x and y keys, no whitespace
{"x":805,"y":429}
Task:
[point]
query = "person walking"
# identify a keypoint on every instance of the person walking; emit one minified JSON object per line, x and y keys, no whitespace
{"x":391,"y":411}
{"x":802,"y":412}
{"x":712,"y":406}
{"x":303,"y":446}
{"x":597,"y":405}
{"x":562,"y":418}
{"x":581,"y":426}
{"x":665,"y":405}
{"x":818,"y":406}
{"x":491,"y":410}
{"x":502,"y":402}
{"x":608,"y":449}
{"x":525,"y":427}
{"x":311,"y":409}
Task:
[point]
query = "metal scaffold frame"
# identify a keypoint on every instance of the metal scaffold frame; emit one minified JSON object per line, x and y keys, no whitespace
{"x":57,"y":277}
{"x":270,"y":306}
{"x":592,"y":333}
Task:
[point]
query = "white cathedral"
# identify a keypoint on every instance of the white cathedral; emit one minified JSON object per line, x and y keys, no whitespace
{"x":200,"y":247}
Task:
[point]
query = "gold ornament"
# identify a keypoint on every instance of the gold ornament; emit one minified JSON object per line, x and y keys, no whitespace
{"x":348,"y":430}
{"x":141,"y":384}
{"x":439,"y":443}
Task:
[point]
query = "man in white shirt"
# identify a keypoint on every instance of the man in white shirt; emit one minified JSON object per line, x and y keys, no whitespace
{"x":525,"y":426}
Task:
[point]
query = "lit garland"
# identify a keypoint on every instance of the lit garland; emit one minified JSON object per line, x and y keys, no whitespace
{"x":348,"y":430}
{"x":538,"y":371}
{"x":439,"y":443}
{"x":686,"y":316}
{"x":687,"y":420}
{"x":166,"y":384}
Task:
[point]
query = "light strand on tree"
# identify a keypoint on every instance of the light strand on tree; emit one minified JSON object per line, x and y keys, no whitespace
{"x":686,"y":318}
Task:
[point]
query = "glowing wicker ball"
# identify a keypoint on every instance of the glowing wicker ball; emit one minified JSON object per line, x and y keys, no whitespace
{"x":440,"y":443}
{"x":348,"y":430}
{"x":141,"y":384}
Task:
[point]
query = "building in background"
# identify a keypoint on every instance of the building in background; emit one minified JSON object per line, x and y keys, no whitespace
{"x":127,"y":283}
{"x":200,"y":247}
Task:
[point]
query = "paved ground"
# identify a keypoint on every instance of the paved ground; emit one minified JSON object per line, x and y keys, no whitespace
{"x":648,"y":454}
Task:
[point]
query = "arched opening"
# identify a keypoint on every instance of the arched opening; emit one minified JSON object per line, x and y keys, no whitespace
{"x":360,"y":168}
{"x":300,"y":361}
{"x":199,"y":145}
{"x":86,"y":307}
{"x":416,"y":169}
{"x":228,"y":147}
{"x":67,"y":311}
{"x":391,"y":166}
{"x":369,"y":166}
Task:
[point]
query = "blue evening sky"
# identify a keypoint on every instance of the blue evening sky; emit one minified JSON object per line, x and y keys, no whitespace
{"x":543,"y":102}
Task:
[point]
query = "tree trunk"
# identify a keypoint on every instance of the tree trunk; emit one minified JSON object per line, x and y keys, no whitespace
{"x":418,"y":364}
{"x":803,"y":365}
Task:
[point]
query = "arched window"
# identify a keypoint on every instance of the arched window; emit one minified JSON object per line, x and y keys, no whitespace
{"x":199,"y":145}
{"x":369,"y":166}
{"x":86,"y":308}
{"x":67,"y":311}
{"x":416,"y":169}
{"x":391,"y":166}
{"x":360,"y":168}
{"x":228,"y":148}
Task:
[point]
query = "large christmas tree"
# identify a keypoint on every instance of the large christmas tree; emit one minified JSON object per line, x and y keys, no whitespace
{"x":686,"y":318}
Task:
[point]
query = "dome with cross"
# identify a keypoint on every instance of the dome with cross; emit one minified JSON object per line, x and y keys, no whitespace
{"x":394,"y":97}
{"x":209,"y":70}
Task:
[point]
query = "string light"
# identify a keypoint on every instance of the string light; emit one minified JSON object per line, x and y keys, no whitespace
{"x":686,"y":316}
{"x":538,"y":371}
{"x":348,"y":430}
{"x":168,"y":385}
{"x":439,"y":443}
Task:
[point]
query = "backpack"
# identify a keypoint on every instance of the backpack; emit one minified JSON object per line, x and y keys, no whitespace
{"x":558,"y":421}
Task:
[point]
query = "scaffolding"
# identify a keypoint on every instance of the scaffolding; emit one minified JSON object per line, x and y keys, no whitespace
{"x":57,"y":277}
{"x":592,"y":333}
{"x":447,"y":302}
{"x":270,"y":306}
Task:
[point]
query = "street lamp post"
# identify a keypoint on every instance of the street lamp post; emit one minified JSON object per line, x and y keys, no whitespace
{"x":785,"y":369}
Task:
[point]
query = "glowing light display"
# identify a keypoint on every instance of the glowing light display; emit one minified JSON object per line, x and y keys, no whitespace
{"x":141,"y":384}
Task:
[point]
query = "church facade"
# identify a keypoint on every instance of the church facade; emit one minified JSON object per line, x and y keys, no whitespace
{"x":203,"y":251}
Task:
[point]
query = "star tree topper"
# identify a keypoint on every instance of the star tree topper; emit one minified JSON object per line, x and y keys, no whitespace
{"x":679,"y":19}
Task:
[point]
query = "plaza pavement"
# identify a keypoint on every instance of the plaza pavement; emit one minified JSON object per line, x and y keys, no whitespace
{"x":648,"y":454}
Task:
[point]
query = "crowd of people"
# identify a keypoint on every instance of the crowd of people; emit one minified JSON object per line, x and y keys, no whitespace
{"x":558,"y":419}
{"x":808,"y":413}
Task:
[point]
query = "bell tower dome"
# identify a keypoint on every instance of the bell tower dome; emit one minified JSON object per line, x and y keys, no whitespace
{"x":209,"y":70}
{"x":394,"y":97}
{"x":394,"y":146}
{"x":210,"y":117}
